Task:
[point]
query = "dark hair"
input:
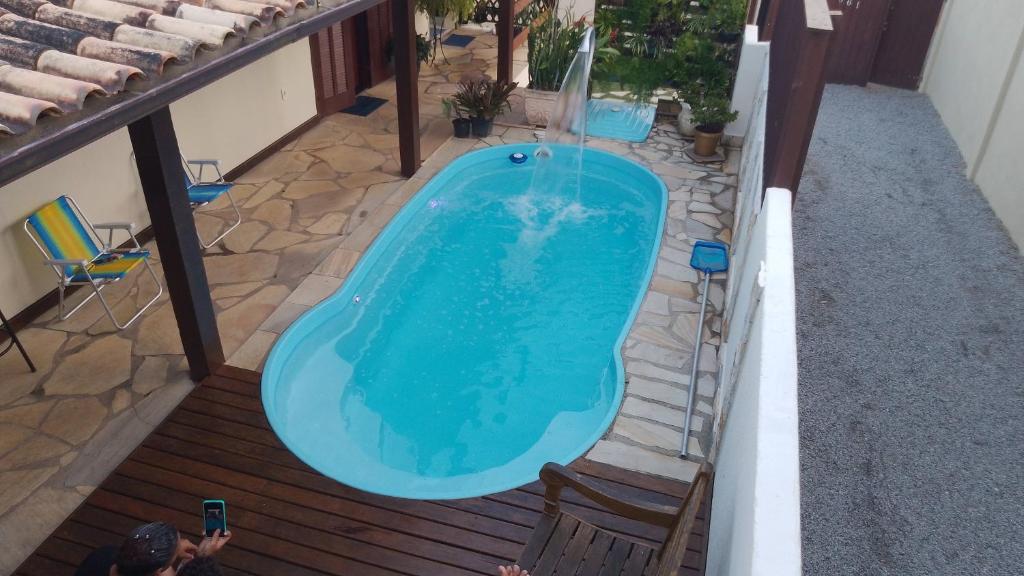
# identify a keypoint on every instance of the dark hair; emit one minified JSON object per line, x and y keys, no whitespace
{"x":201,"y":566}
{"x":149,"y":548}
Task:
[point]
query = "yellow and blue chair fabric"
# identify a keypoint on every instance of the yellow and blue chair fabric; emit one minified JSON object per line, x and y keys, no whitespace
{"x":78,"y":256}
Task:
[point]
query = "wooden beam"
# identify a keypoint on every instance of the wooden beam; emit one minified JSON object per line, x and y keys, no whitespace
{"x":506,"y":35}
{"x":403,"y":13}
{"x":163,"y":184}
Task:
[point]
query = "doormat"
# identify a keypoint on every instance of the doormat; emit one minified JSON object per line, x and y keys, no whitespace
{"x":460,"y":40}
{"x":364,"y":106}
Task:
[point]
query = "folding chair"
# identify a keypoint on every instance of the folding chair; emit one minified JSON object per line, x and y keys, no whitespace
{"x":202,"y":192}
{"x":72,"y":247}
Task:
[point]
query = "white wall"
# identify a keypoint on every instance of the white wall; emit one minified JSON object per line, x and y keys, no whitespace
{"x":755,"y":519}
{"x":974,"y":79}
{"x":749,"y":74}
{"x":231,"y":119}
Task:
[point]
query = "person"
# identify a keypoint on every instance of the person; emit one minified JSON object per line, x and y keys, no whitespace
{"x":513,"y":570}
{"x":153,"y":549}
{"x":200,"y":566}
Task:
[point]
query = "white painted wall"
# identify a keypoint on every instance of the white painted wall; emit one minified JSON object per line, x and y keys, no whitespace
{"x":974,"y":79}
{"x":749,"y":74}
{"x":755,"y":519}
{"x":231,"y":119}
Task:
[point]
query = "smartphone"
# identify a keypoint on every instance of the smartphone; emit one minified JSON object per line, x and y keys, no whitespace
{"x":215,"y":517}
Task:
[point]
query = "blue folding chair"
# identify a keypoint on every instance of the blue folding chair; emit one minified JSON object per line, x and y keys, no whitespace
{"x":202,"y":192}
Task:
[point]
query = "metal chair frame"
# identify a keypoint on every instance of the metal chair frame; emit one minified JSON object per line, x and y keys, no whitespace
{"x":98,"y":284}
{"x":6,"y":327}
{"x":197,"y":179}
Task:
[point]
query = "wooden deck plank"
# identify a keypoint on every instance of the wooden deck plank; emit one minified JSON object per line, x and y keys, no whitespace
{"x":292,"y":521}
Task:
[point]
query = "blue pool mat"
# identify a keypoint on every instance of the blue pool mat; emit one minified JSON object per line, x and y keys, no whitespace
{"x":460,"y":40}
{"x":619,"y":120}
{"x":365,"y":105}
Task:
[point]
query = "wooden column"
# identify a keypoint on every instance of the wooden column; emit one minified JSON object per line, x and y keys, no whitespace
{"x":506,"y":34}
{"x":796,"y":79}
{"x":403,"y":13}
{"x":163,"y":184}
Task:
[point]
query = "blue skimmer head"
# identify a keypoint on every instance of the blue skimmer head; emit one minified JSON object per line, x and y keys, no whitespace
{"x":710,"y":257}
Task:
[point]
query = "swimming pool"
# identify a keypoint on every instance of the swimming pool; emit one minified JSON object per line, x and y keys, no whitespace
{"x":478,"y":337}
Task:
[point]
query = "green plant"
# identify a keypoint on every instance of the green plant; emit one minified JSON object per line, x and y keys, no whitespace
{"x":423,"y":48}
{"x":722,"y":16}
{"x":699,"y":60}
{"x":484,"y":98}
{"x":451,"y":108}
{"x":711,"y":109}
{"x":552,"y":44}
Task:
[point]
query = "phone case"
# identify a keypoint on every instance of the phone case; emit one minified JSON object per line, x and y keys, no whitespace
{"x":223,"y":506}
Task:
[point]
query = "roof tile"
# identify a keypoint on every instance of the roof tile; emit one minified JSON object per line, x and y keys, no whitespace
{"x":54,"y":55}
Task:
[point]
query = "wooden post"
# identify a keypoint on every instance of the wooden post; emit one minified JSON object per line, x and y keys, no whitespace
{"x":796,"y":80}
{"x":506,"y":34}
{"x":403,"y":13}
{"x":163,"y":184}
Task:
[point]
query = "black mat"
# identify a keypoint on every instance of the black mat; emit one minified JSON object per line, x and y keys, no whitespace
{"x":365,"y":105}
{"x":460,"y":40}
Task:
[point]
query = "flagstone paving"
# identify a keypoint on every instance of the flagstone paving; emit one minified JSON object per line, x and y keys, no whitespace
{"x":309,"y":213}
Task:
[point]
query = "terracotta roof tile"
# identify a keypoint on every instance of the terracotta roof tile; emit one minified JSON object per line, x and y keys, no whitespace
{"x":54,"y":55}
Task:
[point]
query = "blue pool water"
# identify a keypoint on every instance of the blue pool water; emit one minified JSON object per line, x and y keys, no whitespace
{"x":478,"y":337}
{"x":619,"y":120}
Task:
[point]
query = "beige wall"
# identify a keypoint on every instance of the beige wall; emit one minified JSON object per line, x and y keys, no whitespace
{"x":975,"y":78}
{"x":231,"y":119}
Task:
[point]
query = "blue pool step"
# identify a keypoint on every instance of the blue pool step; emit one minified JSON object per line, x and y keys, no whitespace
{"x":618,"y":120}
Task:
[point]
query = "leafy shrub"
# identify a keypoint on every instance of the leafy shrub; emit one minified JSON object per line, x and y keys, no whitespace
{"x":484,"y":98}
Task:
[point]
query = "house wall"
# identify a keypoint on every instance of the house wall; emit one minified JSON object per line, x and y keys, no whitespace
{"x":975,"y":79}
{"x":232,"y":120}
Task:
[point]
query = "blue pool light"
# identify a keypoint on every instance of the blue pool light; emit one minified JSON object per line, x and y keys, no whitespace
{"x":517,"y":157}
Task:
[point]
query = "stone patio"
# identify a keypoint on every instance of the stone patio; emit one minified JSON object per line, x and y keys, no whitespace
{"x":310,"y":211}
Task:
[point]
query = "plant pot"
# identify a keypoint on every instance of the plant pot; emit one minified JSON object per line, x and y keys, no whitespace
{"x":539,"y":105}
{"x":461,"y":127}
{"x":706,"y":139}
{"x":728,"y":37}
{"x":482,"y":127}
{"x":685,"y":121}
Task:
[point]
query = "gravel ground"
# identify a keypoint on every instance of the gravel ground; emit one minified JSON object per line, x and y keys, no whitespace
{"x":910,"y":299}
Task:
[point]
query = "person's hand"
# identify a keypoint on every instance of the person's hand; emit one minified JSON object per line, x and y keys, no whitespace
{"x":513,"y":570}
{"x":186,"y":549}
{"x":212,"y":544}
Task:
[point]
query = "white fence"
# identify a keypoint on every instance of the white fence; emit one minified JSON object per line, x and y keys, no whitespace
{"x":755,"y":515}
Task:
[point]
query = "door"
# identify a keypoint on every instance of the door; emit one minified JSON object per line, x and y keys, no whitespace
{"x":334,"y":67}
{"x":379,"y":44}
{"x":855,"y":41}
{"x":905,"y":42}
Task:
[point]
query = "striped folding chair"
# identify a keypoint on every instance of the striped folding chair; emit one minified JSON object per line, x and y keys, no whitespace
{"x":79,"y":256}
{"x":201,"y":192}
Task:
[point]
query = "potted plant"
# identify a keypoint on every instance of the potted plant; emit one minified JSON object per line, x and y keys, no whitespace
{"x":483,"y":99}
{"x":552,"y":44}
{"x":711,"y":110}
{"x":460,"y":125}
{"x":422,"y":50}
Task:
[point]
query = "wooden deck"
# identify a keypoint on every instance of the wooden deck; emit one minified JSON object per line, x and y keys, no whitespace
{"x":290,"y":520}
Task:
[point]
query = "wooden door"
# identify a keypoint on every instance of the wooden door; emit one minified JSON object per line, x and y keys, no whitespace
{"x":378,"y":44}
{"x":334,"y":67}
{"x":905,"y":42}
{"x":855,"y":40}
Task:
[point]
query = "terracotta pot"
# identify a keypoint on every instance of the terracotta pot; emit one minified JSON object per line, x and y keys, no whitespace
{"x":706,"y":143}
{"x":539,"y":105}
{"x":461,"y":127}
